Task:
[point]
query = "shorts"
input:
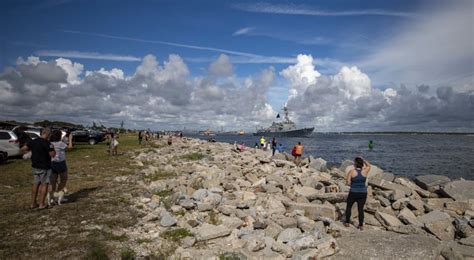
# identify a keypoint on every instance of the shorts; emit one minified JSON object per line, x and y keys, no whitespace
{"x":59,"y":167}
{"x":41,"y":176}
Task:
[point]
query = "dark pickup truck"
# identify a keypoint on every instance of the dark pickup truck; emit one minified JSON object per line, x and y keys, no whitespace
{"x":87,"y":136}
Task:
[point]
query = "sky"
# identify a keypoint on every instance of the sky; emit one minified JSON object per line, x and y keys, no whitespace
{"x":403,"y":65}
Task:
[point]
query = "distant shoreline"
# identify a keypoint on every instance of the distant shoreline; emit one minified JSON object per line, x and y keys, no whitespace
{"x":394,"y":133}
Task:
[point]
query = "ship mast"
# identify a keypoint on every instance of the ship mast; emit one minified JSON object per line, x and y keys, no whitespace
{"x":285,"y":110}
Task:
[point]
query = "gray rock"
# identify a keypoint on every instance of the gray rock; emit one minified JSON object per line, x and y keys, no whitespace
{"x":383,"y":201}
{"x":400,"y":203}
{"x":307,"y":192}
{"x":463,"y":229}
{"x":273,"y":230}
{"x":227,"y":209}
{"x":395,"y":246}
{"x":187,"y":204}
{"x":388,"y":219}
{"x":283,"y":249}
{"x":199,"y":195}
{"x":285,"y":222}
{"x":318,"y":164}
{"x":333,"y":197}
{"x":396,"y":195}
{"x":313,"y":211}
{"x":431,"y":182}
{"x":467,"y":241}
{"x":453,"y":250}
{"x":407,"y":217}
{"x":167,"y":220}
{"x":305,"y":223}
{"x":202,"y":206}
{"x":344,"y":165}
{"x":416,"y":205}
{"x":208,"y":231}
{"x":439,"y":224}
{"x":459,"y":190}
{"x":387,"y":185}
{"x":303,"y":242}
{"x":188,"y":242}
{"x":288,"y":235}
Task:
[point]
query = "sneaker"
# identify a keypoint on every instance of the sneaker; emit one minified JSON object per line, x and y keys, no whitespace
{"x":346,"y":224}
{"x":361,"y":228}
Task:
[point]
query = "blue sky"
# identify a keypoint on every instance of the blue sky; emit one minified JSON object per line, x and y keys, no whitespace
{"x":254,"y":35}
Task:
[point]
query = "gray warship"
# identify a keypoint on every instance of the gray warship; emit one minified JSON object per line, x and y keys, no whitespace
{"x":286,"y":128}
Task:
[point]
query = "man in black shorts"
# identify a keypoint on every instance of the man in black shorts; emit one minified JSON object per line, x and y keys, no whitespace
{"x":41,"y":153}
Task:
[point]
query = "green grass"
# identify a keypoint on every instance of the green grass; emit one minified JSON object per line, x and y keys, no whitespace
{"x":95,"y":200}
{"x":128,"y":254}
{"x":176,"y":235}
{"x":192,"y":157}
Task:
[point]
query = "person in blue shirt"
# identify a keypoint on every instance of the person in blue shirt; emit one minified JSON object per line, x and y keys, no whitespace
{"x":356,"y":178}
{"x":280,"y":148}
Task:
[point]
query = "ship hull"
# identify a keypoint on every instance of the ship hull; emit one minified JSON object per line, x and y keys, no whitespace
{"x":304,"y":132}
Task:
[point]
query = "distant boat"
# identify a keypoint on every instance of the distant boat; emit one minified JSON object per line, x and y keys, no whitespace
{"x":241,"y":132}
{"x":286,"y":128}
{"x":207,"y":132}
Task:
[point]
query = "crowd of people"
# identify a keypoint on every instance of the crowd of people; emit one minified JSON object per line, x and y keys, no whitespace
{"x":48,"y":162}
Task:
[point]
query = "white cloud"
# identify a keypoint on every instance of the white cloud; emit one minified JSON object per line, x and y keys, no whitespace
{"x":73,"y":70}
{"x":436,"y":50}
{"x":303,"y":10}
{"x":164,"y":95}
{"x":85,"y":55}
{"x":221,"y":67}
{"x":347,"y":101}
{"x":302,"y":74}
{"x":243,"y":31}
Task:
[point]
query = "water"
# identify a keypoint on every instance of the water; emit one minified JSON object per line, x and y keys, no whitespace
{"x":401,"y":154}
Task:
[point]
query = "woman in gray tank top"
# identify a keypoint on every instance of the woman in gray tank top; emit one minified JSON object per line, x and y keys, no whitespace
{"x":356,"y":178}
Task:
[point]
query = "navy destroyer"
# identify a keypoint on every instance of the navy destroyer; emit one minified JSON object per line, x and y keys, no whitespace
{"x":286,"y":128}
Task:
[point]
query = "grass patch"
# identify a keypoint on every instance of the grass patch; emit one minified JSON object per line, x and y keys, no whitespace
{"x":94,"y":199}
{"x":96,"y":251}
{"x":144,"y":240}
{"x":161,"y":175}
{"x":163,"y":193}
{"x":180,"y":213}
{"x":128,"y":254}
{"x":192,"y":157}
{"x":213,"y":218}
{"x":121,"y":238}
{"x":176,"y":234}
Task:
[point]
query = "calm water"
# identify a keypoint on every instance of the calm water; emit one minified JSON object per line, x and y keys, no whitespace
{"x":409,"y":155}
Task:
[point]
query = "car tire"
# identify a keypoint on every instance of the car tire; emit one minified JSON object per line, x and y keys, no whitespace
{"x":92,"y":141}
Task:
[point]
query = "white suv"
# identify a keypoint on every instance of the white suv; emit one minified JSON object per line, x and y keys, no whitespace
{"x":9,"y":143}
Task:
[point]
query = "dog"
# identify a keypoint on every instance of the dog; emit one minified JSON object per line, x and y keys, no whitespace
{"x":56,"y":197}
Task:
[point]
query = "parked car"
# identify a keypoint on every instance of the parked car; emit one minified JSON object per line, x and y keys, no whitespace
{"x":3,"y":156}
{"x":87,"y":136}
{"x":9,"y":143}
{"x":32,"y":134}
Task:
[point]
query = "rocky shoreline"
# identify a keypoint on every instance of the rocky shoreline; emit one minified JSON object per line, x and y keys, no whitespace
{"x":206,"y":200}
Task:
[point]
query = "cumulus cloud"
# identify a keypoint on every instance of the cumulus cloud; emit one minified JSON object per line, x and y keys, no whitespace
{"x":157,"y":95}
{"x":222,"y":66}
{"x":347,"y":101}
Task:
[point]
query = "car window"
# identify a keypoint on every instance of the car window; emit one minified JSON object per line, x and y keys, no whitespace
{"x":32,"y":135}
{"x":5,"y":136}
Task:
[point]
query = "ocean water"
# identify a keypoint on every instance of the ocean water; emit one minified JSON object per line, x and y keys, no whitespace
{"x":400,"y":154}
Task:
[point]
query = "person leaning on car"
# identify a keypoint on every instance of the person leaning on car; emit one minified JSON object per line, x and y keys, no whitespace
{"x":41,"y":153}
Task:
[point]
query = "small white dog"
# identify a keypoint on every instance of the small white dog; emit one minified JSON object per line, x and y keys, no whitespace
{"x":57,"y":197}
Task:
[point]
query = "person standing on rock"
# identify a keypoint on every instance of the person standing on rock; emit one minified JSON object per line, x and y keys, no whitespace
{"x":356,"y":178}
{"x":140,"y":137}
{"x":297,"y":151}
{"x":274,"y":146}
{"x":262,"y":142}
